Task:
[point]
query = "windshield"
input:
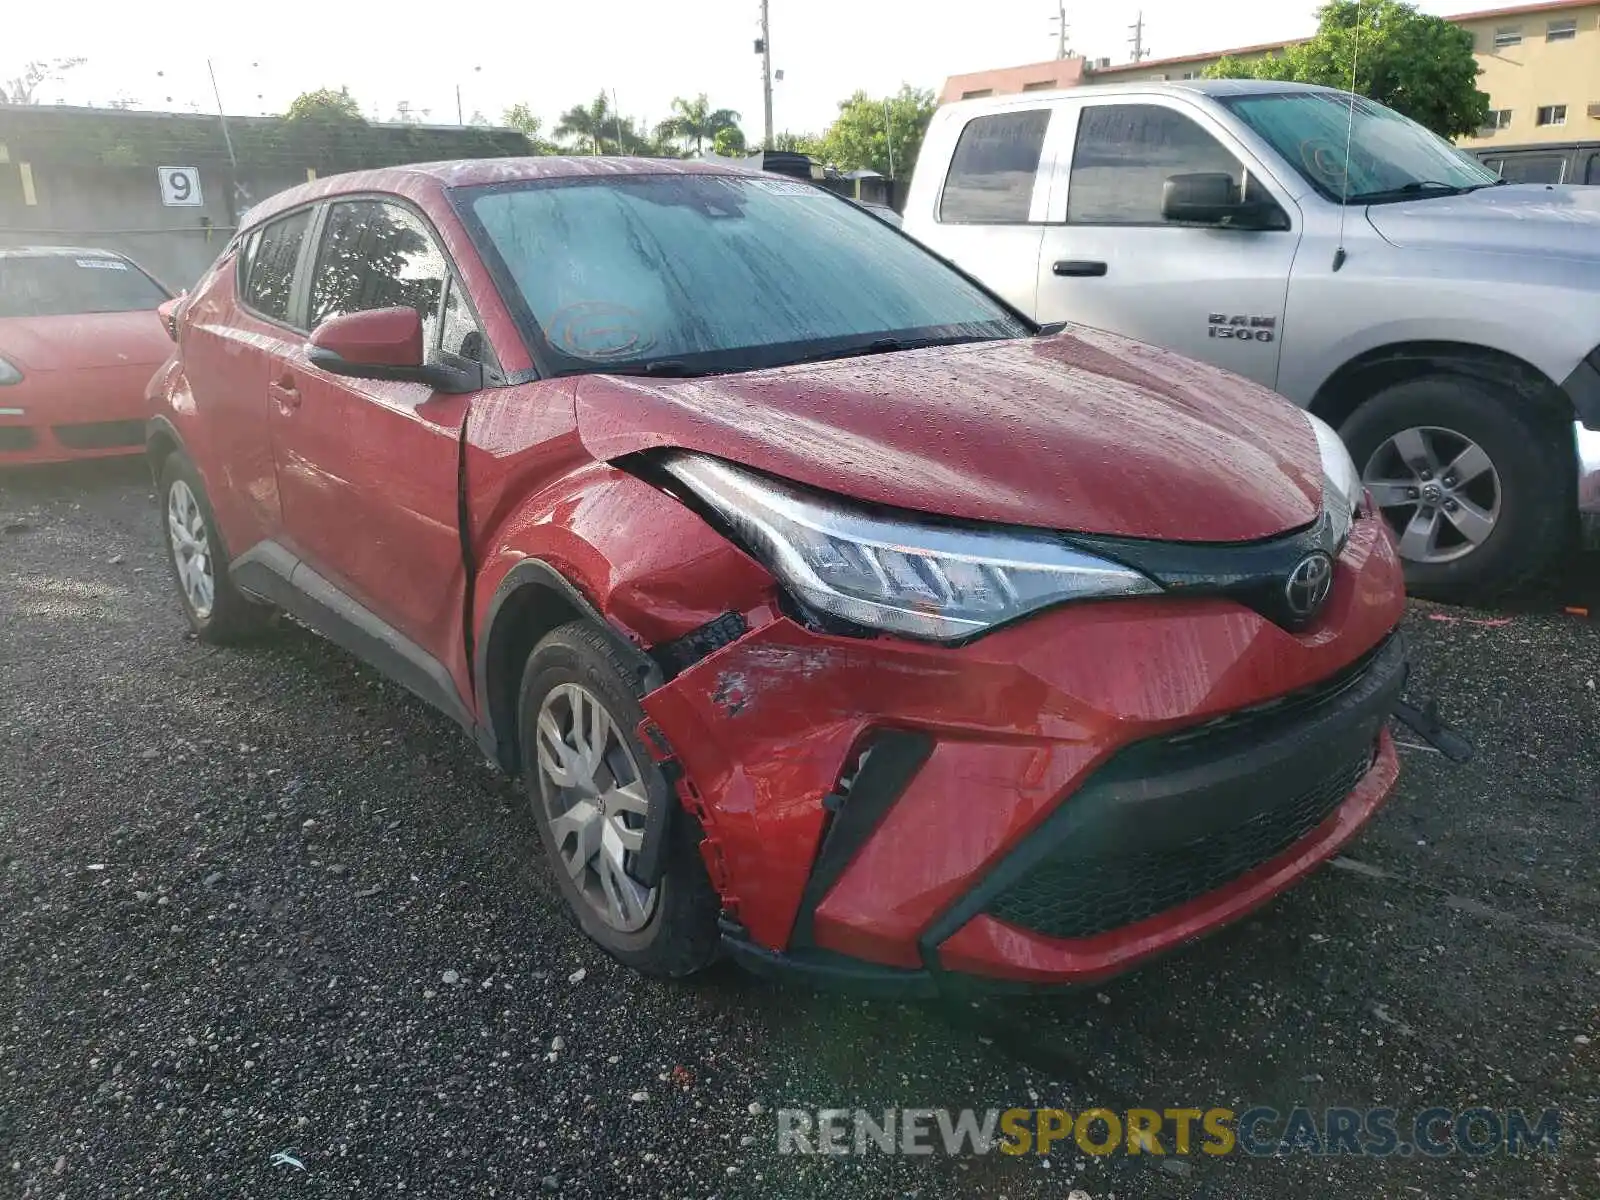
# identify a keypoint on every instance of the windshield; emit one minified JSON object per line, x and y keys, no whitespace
{"x":57,"y":285}
{"x":706,"y":273}
{"x":1391,"y":157}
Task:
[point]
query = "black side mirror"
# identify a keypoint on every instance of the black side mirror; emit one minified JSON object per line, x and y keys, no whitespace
{"x":1212,"y":198}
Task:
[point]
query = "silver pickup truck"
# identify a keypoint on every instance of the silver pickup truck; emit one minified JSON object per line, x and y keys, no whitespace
{"x":1445,"y":322}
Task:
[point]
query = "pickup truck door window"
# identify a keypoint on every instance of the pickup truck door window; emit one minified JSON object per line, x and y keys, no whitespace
{"x":368,"y":468}
{"x":1111,"y":260}
{"x":992,"y":205}
{"x":1534,"y":168}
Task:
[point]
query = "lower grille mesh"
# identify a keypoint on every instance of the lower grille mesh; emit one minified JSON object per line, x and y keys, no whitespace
{"x":1067,"y":897}
{"x":101,"y":435}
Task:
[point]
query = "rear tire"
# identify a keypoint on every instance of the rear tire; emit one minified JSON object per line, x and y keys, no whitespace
{"x":217,"y":611}
{"x":1495,"y":522}
{"x":596,"y":794}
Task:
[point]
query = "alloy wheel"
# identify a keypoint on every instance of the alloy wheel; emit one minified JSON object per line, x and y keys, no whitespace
{"x":595,"y":802}
{"x":191,"y":549}
{"x":1438,"y":490}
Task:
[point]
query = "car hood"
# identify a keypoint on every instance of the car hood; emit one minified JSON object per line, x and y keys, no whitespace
{"x":1085,"y":432}
{"x":1515,"y":218}
{"x":85,"y":341}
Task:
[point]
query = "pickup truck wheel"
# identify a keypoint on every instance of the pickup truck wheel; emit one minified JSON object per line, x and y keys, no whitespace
{"x":1464,"y":476}
{"x":597,"y":795}
{"x":218,"y":613}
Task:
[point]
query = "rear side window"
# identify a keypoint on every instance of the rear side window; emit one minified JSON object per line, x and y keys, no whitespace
{"x":378,"y":255}
{"x":1591,"y":173}
{"x":1534,"y":168}
{"x":58,"y":285}
{"x":271,"y":258}
{"x":993,"y":172}
{"x":1124,"y":156}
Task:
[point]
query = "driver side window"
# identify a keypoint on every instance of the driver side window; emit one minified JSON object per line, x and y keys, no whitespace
{"x":1124,"y":156}
{"x":378,"y":255}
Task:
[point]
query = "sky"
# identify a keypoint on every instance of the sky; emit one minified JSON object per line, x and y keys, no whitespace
{"x":552,"y":55}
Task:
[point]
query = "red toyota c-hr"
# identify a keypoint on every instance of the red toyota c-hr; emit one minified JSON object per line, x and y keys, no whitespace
{"x":834,"y":615}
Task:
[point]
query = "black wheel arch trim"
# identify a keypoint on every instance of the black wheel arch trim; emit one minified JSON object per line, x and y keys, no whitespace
{"x":495,"y":678}
{"x":157,"y":429}
{"x":1582,"y":387}
{"x":1337,"y":397}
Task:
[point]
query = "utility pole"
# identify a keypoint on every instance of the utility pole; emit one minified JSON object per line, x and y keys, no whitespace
{"x":234,"y":192}
{"x":1061,"y":31}
{"x":459,"y":121}
{"x":1139,"y":52}
{"x":764,"y":48}
{"x":888,"y":138}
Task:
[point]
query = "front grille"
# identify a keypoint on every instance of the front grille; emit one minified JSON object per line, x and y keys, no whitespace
{"x":1068,"y":897}
{"x":100,"y":435}
{"x":15,"y":437}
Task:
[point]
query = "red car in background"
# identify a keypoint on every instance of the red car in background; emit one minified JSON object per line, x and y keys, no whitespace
{"x":833,"y":614}
{"x":80,"y":338}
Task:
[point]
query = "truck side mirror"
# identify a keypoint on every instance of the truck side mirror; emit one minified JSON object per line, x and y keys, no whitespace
{"x":1212,"y":198}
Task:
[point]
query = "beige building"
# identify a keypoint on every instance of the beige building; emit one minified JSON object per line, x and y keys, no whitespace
{"x":1540,"y":66}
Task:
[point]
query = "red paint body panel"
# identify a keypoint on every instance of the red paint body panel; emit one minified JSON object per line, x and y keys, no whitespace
{"x":990,"y":948}
{"x":368,"y":476}
{"x":228,"y":356}
{"x":648,"y":564}
{"x":377,"y":485}
{"x":78,"y":370}
{"x":1020,"y":717}
{"x":390,"y":337}
{"x":1084,"y":431}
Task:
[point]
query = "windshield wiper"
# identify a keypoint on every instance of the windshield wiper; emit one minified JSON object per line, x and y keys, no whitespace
{"x":662,"y":368}
{"x":1417,"y":187}
{"x":887,"y":345}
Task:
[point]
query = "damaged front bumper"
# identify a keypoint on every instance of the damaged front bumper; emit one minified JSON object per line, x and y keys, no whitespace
{"x":1036,"y":808}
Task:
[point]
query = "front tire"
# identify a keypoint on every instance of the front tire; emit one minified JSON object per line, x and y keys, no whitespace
{"x":597,"y":795}
{"x":217,"y":612}
{"x":1476,"y":487}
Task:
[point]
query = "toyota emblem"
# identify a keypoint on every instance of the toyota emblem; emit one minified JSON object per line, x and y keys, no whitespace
{"x":1309,"y":585}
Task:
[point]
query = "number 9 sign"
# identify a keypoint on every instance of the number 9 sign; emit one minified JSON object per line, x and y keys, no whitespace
{"x":180,"y":186}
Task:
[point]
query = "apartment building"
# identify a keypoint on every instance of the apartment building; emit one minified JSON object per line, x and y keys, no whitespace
{"x":1540,"y":65}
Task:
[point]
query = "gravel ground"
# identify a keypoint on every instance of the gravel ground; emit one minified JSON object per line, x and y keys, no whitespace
{"x":260,"y":900}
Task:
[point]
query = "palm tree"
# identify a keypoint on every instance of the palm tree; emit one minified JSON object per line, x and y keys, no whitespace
{"x":696,"y":121}
{"x":591,"y":125}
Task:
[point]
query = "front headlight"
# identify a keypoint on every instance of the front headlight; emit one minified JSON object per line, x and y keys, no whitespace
{"x":903,"y":576}
{"x":1342,"y":489}
{"x":8,"y":373}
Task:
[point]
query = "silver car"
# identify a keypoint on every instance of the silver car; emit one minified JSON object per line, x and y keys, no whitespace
{"x":1444,"y":322}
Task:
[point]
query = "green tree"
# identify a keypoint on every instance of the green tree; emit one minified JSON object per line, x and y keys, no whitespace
{"x":695,"y":121}
{"x":592,"y":126}
{"x":801,"y":143}
{"x":1418,"y":65}
{"x":868,"y":133}
{"x":325,"y":106}
{"x":520,"y":117}
{"x":729,"y":142}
